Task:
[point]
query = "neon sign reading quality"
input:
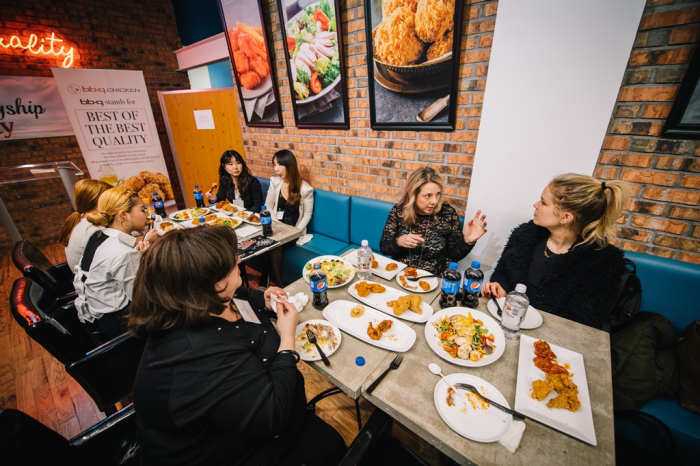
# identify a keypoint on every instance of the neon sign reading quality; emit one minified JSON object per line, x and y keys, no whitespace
{"x":47,"y":47}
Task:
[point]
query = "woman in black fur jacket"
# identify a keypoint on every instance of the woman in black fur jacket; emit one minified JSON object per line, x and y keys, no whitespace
{"x":563,"y":254}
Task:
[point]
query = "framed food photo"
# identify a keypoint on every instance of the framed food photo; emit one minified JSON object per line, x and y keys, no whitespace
{"x":314,"y":55}
{"x":251,"y":62}
{"x":684,"y":118}
{"x":413,"y":63}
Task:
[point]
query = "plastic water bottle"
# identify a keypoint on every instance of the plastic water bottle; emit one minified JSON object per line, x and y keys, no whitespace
{"x":266,"y":221}
{"x":451,"y":280}
{"x":364,"y":261}
{"x":198,"y":196}
{"x":319,"y":285}
{"x":473,"y":281}
{"x":158,"y":205}
{"x":514,"y":311}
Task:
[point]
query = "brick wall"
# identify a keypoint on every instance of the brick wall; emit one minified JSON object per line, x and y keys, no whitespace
{"x":374,"y":163}
{"x":118,"y":34}
{"x":663,"y":218}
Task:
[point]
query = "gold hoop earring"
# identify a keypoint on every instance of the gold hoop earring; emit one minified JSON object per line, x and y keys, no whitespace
{"x":121,"y":222}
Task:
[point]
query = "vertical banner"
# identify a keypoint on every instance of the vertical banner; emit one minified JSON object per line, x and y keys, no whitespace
{"x":31,"y":107}
{"x":113,"y":121}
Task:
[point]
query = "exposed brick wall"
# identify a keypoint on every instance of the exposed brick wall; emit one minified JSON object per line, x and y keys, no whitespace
{"x":664,"y":216}
{"x":116,"y":34}
{"x":374,"y":163}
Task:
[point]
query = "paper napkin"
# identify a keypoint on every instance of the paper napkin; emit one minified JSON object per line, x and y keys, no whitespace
{"x":514,"y":435}
{"x":305,"y":239}
{"x":299,"y":300}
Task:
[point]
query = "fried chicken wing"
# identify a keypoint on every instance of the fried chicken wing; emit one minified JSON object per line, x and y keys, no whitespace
{"x":373,"y":333}
{"x":395,"y":40}
{"x":241,"y":61}
{"x":540,"y":389}
{"x":246,"y":44}
{"x":410,"y":272}
{"x":250,"y":79}
{"x":384,"y":325}
{"x":414,"y":304}
{"x":543,"y":350}
{"x":391,"y":266}
{"x":375,"y":264}
{"x":260,"y":66}
{"x":434,"y":18}
{"x":233,"y":38}
{"x":424,"y":285}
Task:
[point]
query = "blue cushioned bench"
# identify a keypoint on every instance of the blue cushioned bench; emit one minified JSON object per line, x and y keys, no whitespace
{"x":672,"y":288}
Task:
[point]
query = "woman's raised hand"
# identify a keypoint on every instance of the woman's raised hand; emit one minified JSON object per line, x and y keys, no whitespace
{"x":475,"y":228}
{"x":211,"y":196}
{"x":279,"y":292}
{"x":409,"y":241}
{"x":287,"y":321}
{"x":493,"y":289}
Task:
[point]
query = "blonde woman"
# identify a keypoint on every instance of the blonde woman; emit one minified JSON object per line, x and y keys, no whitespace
{"x":77,"y":230}
{"x":423,"y":230}
{"x":104,"y":279}
{"x":563,"y":255}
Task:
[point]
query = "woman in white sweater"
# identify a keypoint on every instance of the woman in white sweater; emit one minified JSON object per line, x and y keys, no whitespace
{"x":289,"y":200}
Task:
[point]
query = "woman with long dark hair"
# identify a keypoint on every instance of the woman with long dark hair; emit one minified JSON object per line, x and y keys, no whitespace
{"x":218,"y":383}
{"x":236,"y":183}
{"x":290,"y":200}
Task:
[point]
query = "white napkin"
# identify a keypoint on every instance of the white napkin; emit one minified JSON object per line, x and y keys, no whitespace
{"x":305,"y":239}
{"x":299,"y":300}
{"x":514,"y":435}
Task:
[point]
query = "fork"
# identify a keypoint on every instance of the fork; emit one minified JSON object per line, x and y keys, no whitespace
{"x":472,"y":388}
{"x":394,"y":365}
{"x":312,"y":339}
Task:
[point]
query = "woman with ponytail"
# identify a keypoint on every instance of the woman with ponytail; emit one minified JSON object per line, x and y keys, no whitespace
{"x":563,"y":255}
{"x":104,"y":279}
{"x":77,"y":230}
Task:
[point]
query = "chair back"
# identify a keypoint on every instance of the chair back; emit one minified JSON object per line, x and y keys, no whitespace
{"x":26,"y":441}
{"x":107,"y":373}
{"x":110,"y":442}
{"x":331,"y":215}
{"x":56,"y":279}
{"x":265,"y":183}
{"x":61,"y":334}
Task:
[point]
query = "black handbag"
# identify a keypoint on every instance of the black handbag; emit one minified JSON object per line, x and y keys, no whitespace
{"x":629,"y":300}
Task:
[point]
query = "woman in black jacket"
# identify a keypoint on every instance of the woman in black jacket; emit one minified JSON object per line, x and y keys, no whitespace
{"x":217,"y":384}
{"x":563,"y":255}
{"x":236,"y":183}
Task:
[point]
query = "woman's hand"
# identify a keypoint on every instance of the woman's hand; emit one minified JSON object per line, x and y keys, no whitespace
{"x":493,"y":289}
{"x":287,"y":321}
{"x":279,"y":292}
{"x":409,"y":241}
{"x":211,"y":196}
{"x":151,"y":235}
{"x":475,"y":228}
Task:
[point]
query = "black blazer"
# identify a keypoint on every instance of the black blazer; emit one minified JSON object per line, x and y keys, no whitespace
{"x":252,"y":198}
{"x":580,"y":285}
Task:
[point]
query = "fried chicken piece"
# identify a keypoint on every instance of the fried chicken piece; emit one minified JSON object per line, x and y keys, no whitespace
{"x":148,"y":190}
{"x":357,"y":311}
{"x":134,"y":183}
{"x":363,"y":289}
{"x":154,"y":177}
{"x":395,"y":40}
{"x":543,"y":350}
{"x":400,"y":305}
{"x":373,"y":333}
{"x":567,"y":390}
{"x":540,"y":389}
{"x":440,"y":47}
{"x":168,"y":190}
{"x":233,"y":38}
{"x":389,"y":6}
{"x":376,"y":288}
{"x":410,"y":272}
{"x":548,"y":366}
{"x":434,"y":18}
{"x":375,"y":264}
{"x":415,"y":303}
{"x":384,"y":325}
{"x":249,"y":80}
{"x":391,"y":266}
{"x":260,"y":66}
{"x":247,"y":43}
{"x":423,"y":284}
{"x":241,"y":61}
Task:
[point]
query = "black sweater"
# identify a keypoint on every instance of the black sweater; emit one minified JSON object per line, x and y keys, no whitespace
{"x":252,"y":198}
{"x":219,"y":394}
{"x":580,"y":285}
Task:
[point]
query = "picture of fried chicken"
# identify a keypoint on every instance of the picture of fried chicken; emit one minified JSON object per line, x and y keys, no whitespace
{"x":154,"y":177}
{"x":389,"y":6}
{"x":433,"y":19}
{"x":260,"y":66}
{"x":148,"y":190}
{"x":249,"y":80}
{"x":440,"y":47}
{"x":249,"y":55}
{"x":410,"y":301}
{"x":168,"y":190}
{"x":391,"y":266}
{"x":241,"y":61}
{"x":395,"y":40}
{"x":134,"y":183}
{"x":424,"y":285}
{"x":410,"y":272}
{"x":364,"y":288}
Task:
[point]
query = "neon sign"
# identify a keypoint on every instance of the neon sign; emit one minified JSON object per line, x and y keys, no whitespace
{"x":31,"y":45}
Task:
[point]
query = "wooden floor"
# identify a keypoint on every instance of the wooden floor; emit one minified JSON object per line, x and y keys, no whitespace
{"x":33,"y":381}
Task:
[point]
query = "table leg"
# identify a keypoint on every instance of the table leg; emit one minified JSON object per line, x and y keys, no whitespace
{"x":359,"y":417}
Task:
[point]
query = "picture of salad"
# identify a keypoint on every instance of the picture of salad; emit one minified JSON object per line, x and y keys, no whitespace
{"x":312,"y":43}
{"x":464,"y":337}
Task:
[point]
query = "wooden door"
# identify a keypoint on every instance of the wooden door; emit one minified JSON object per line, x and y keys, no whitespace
{"x":197,"y":151}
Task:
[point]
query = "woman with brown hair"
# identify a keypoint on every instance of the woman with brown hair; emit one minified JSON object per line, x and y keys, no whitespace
{"x":423,"y":230}
{"x":77,"y":230}
{"x":236,"y":183}
{"x":217,"y":383}
{"x":290,"y":200}
{"x":104,"y":279}
{"x":564,"y":255}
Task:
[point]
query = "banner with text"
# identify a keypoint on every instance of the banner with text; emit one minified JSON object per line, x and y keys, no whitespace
{"x":113,"y":121}
{"x":30,"y":108}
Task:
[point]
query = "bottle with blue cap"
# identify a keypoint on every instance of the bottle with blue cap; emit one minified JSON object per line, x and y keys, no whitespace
{"x":266,"y":221}
{"x":451,"y":281}
{"x":472,"y":284}
{"x":198,"y":197}
{"x":319,"y":284}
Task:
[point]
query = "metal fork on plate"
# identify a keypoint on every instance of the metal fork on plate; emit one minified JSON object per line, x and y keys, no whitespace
{"x":394,"y":365}
{"x":312,"y":339}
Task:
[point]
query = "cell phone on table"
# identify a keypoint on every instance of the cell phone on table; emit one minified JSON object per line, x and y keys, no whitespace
{"x":245,"y":245}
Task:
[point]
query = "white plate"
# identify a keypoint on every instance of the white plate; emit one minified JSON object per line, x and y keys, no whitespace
{"x":311,"y":353}
{"x":379,"y":301}
{"x":305,"y":273}
{"x":223,"y":215}
{"x":262,"y":88}
{"x":383,"y":262}
{"x":433,"y":338}
{"x":481,"y":425}
{"x":226,"y":212}
{"x":533,"y":318}
{"x":176,"y":226}
{"x":578,"y":424}
{"x":399,"y":338}
{"x":252,"y":223}
{"x":433,"y":282}
{"x":172,"y":216}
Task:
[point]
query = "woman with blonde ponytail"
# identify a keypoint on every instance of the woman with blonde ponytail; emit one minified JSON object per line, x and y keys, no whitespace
{"x":564,"y":255}
{"x":104,"y":279}
{"x":77,"y":230}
